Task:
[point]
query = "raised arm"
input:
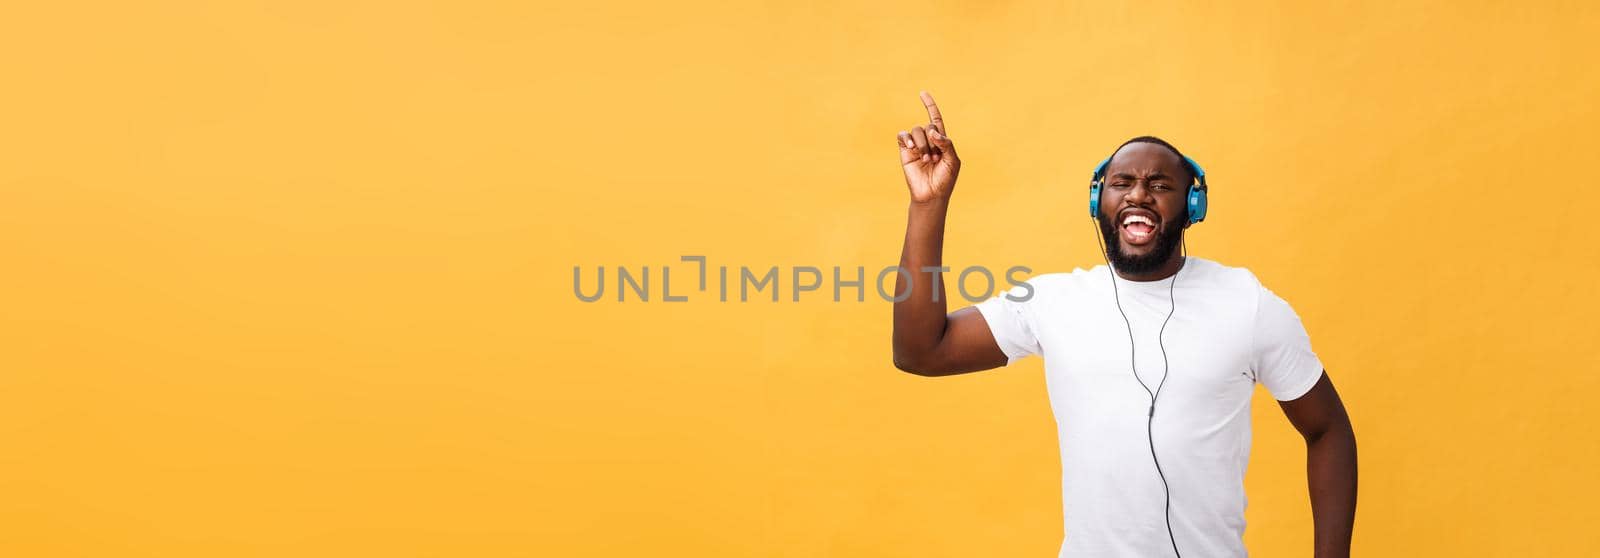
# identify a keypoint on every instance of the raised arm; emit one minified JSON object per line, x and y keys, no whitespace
{"x":928,"y":342}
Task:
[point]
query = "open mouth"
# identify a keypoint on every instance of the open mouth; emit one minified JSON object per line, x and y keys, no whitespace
{"x":1138,"y":227}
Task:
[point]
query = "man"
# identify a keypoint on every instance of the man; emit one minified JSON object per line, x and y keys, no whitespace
{"x":1150,"y":361}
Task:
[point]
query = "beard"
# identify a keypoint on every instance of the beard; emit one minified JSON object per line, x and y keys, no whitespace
{"x":1167,"y":240}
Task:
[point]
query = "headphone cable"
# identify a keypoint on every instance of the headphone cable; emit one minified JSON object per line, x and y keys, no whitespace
{"x":1133,"y":366}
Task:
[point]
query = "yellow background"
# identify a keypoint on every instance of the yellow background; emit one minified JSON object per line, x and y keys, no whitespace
{"x":294,"y":278}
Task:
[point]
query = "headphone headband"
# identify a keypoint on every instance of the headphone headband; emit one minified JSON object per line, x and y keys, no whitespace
{"x":1199,"y":173}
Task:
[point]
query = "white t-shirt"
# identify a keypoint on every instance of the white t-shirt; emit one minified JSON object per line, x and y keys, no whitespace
{"x":1227,"y":333}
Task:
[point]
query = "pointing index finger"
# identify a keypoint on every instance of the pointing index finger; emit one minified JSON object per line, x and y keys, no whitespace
{"x":935,"y":120}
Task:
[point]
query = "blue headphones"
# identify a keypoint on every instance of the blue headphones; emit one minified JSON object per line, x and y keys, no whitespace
{"x":1196,"y":194}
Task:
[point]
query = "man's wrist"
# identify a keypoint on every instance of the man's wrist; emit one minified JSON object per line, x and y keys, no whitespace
{"x":935,"y":205}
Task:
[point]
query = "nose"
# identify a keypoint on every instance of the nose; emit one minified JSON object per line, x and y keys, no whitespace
{"x":1139,"y":193}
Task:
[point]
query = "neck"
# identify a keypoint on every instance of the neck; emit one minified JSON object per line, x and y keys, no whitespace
{"x":1167,"y":269}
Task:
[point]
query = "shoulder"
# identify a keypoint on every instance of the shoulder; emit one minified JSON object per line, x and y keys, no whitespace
{"x":1270,"y":310}
{"x":1054,"y":287}
{"x":1067,"y":281}
{"x":1218,"y":275}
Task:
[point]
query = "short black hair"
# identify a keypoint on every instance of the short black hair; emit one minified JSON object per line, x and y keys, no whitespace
{"x":1163,"y":143}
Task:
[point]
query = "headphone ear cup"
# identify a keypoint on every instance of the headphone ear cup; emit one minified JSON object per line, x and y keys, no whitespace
{"x":1094,"y":200}
{"x":1197,"y":204}
{"x":1096,"y":180}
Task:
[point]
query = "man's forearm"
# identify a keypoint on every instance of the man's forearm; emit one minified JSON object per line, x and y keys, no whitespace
{"x":1331,"y":474}
{"x":919,"y":317}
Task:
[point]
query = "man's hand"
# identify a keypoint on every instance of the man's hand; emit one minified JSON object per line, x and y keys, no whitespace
{"x":929,"y":158}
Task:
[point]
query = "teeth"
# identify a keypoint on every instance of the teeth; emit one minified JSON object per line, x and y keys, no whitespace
{"x":1138,"y":219}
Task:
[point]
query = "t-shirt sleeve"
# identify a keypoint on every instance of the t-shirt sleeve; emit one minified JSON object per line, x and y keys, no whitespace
{"x":1011,"y":322}
{"x":1281,"y":357}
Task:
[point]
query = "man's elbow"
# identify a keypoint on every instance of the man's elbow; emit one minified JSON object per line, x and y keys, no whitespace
{"x":905,"y":364}
{"x":919,"y":366}
{"x":1339,"y":431}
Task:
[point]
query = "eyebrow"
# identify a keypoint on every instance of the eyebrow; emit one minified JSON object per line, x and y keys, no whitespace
{"x":1153,"y":177}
